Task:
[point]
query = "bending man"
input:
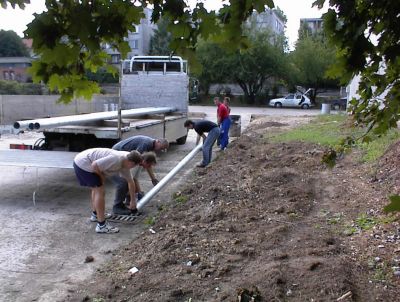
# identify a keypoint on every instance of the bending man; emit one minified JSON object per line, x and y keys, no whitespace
{"x":141,"y":144}
{"x":91,"y":168}
{"x":202,"y":127}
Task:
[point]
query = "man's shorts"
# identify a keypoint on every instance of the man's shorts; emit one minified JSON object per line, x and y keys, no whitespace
{"x":87,"y":179}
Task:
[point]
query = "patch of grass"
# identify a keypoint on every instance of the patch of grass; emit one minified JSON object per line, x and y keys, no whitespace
{"x":317,"y":226}
{"x":335,"y":219}
{"x":324,"y":129}
{"x":179,"y":197}
{"x":377,"y":147}
{"x":388,"y":219}
{"x":151,"y":220}
{"x":381,"y":273}
{"x":293,"y":215}
{"x":182,"y":199}
{"x":349,"y":230}
{"x":330,"y":130}
{"x":365,"y":222}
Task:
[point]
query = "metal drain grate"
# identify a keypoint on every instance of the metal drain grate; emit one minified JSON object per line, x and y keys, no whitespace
{"x":124,"y":218}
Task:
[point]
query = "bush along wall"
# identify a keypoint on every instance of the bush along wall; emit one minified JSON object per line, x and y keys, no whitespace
{"x":13,"y":87}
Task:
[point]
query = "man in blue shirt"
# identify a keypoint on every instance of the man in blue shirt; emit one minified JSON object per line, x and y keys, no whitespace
{"x":141,"y":144}
{"x":202,"y":127}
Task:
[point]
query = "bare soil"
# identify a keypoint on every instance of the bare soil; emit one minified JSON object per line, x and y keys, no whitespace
{"x":268,"y":221}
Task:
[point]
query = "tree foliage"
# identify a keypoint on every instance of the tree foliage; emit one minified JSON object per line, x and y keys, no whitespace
{"x":11,"y":45}
{"x":311,"y":60}
{"x":215,"y":66}
{"x":68,"y":48}
{"x":14,"y":87}
{"x":281,"y":14}
{"x":250,"y":68}
{"x":367,"y":34}
{"x":304,"y":31}
{"x":262,"y":61}
{"x":161,"y":40}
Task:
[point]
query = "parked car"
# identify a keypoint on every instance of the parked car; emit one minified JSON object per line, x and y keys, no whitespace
{"x":292,"y":100}
{"x":340,"y":104}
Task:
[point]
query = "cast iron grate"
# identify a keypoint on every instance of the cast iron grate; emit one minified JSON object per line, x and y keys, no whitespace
{"x":125,"y":218}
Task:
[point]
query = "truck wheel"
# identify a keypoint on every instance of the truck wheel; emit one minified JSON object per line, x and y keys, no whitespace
{"x":181,"y":140}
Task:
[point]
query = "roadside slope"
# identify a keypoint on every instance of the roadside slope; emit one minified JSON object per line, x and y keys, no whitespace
{"x":265,"y":219}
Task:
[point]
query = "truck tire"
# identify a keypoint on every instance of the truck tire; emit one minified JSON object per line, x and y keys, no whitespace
{"x":181,"y":140}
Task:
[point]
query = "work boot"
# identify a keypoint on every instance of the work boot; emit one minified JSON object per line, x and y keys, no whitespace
{"x":121,"y":209}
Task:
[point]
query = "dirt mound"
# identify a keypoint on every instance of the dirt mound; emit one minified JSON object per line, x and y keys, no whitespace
{"x":264,"y":220}
{"x":388,"y":167}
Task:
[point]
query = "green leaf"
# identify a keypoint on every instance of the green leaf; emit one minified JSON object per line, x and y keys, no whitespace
{"x":394,"y":205}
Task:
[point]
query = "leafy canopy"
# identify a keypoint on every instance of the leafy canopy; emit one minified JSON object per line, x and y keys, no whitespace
{"x":11,"y":45}
{"x":311,"y":60}
{"x":250,"y":68}
{"x":68,"y":37}
{"x":160,"y":41}
{"x":367,"y":34}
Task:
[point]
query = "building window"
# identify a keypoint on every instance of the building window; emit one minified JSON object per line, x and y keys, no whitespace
{"x":134,"y":44}
{"x":115,"y":59}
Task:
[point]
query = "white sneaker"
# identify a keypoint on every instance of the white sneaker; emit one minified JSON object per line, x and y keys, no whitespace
{"x":106,"y":228}
{"x":93,"y":217}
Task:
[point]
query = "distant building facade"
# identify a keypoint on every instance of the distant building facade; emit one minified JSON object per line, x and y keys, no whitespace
{"x":314,"y":24}
{"x":139,"y":41}
{"x":15,"y":68}
{"x":267,"y":20}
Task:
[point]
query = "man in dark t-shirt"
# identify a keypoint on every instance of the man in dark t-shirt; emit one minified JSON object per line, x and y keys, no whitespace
{"x":142,"y":144}
{"x":202,"y":127}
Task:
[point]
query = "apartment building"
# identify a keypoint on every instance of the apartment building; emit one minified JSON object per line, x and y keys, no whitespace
{"x":15,"y":68}
{"x":139,"y":41}
{"x":268,"y":19}
{"x":314,"y":24}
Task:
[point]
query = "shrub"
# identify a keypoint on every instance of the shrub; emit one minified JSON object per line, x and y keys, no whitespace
{"x":13,"y":87}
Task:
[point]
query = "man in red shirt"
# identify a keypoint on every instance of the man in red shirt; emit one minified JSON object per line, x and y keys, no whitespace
{"x":224,"y":122}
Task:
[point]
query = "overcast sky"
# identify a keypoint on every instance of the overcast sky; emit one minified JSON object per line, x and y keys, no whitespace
{"x":17,"y":19}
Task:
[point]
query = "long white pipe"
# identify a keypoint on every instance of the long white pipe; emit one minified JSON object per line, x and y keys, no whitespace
{"x":90,"y":117}
{"x":149,"y":195}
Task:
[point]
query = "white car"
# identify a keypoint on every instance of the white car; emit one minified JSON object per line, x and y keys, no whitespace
{"x":292,"y":100}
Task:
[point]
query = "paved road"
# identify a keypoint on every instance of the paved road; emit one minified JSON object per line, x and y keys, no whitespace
{"x":247,"y":112}
{"x":44,"y":246}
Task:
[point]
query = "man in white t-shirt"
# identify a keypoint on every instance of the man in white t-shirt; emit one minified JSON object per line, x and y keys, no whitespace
{"x":91,"y":168}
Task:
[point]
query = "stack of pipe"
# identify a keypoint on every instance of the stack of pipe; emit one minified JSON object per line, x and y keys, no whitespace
{"x":52,"y":122}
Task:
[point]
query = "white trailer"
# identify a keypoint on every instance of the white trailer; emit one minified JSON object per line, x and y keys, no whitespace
{"x":147,"y":83}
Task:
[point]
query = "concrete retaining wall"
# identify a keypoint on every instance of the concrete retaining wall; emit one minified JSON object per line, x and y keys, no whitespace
{"x":22,"y":107}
